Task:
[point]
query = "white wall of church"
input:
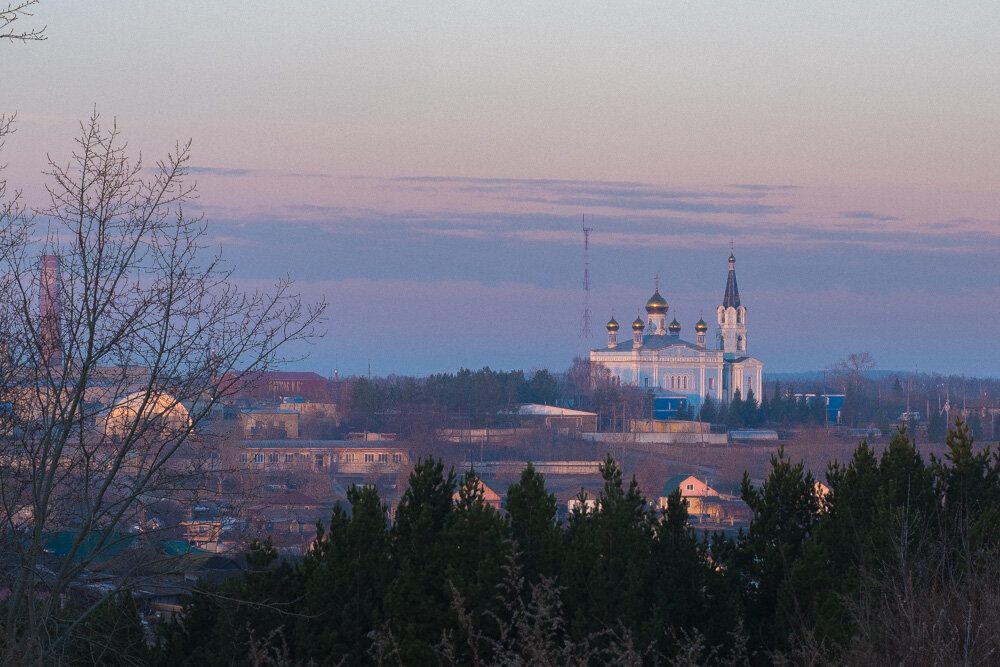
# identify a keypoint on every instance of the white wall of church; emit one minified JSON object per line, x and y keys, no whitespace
{"x":694,"y":380}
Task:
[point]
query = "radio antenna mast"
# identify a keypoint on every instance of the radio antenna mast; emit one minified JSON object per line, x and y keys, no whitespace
{"x":585,"y":322}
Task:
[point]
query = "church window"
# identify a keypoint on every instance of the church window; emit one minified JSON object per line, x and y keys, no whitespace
{"x":289,"y":458}
{"x":258,"y":458}
{"x":711,"y":383}
{"x":272,"y":458}
{"x":369,"y":458}
{"x":647,"y":382}
{"x":685,"y":382}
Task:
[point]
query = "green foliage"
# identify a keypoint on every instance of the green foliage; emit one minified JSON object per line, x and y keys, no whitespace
{"x":532,"y":513}
{"x":970,"y":486}
{"x":817,"y":410}
{"x":889,"y":566}
{"x":541,"y":388}
{"x":112,"y":634}
{"x":734,"y":414}
{"x":937,"y":426}
{"x":708,"y":411}
{"x":785,"y":510}
{"x":344,"y":580}
{"x":478,"y":397}
{"x":418,"y":598}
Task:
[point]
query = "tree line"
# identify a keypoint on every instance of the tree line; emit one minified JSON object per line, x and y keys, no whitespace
{"x":895,"y":563}
{"x":479,"y":398}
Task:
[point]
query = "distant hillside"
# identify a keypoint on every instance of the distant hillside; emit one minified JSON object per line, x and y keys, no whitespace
{"x":796,"y":376}
{"x":877,"y":374}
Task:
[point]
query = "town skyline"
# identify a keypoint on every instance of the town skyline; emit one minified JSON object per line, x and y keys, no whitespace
{"x":425,"y":167}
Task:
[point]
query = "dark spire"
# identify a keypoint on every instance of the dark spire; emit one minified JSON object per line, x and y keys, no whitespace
{"x":732,"y":297}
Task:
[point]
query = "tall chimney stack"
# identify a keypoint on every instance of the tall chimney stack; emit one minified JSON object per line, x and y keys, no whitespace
{"x":48,"y":310}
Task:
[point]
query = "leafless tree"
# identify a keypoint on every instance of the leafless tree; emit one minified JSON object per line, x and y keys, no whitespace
{"x":102,"y":398}
{"x":13,"y":12}
{"x":850,"y":371}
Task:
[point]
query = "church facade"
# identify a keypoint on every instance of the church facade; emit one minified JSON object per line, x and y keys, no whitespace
{"x":658,"y":358}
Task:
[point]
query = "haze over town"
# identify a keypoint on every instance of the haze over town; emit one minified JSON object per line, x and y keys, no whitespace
{"x":371,"y":390}
{"x":425,"y":166}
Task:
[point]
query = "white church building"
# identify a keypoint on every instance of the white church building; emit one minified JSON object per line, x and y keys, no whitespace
{"x":657,"y":357}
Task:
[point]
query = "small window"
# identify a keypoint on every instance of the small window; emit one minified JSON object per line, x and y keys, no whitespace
{"x":319,"y":461}
{"x":383,"y":458}
{"x":258,"y":458}
{"x":690,"y":487}
{"x":369,"y":458}
{"x":397,"y":458}
{"x":272,"y":458}
{"x":349,"y":458}
{"x":289,"y":458}
{"x":647,"y":382}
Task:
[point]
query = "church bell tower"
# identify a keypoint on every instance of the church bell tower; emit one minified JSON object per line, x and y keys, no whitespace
{"x":732,"y":317}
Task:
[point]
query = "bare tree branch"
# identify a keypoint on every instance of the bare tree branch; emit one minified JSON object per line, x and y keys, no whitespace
{"x":11,"y":14}
{"x":100,"y":419}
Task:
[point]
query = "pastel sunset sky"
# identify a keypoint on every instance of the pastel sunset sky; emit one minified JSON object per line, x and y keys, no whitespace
{"x":425,"y":165}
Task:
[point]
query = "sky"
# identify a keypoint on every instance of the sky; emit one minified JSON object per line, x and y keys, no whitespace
{"x":424,"y":166}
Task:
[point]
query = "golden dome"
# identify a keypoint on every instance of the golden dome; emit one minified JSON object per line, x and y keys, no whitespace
{"x":656,"y":305}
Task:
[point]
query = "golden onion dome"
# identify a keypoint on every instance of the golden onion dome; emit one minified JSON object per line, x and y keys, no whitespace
{"x":638,"y":325}
{"x":674,"y":327}
{"x":656,"y":305}
{"x":613,"y":324}
{"x":701,"y":327}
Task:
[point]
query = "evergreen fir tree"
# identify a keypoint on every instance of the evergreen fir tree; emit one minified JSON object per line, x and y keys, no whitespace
{"x":785,"y":509}
{"x":817,"y":410}
{"x":345,"y":578}
{"x":478,"y":543}
{"x":735,"y":413}
{"x":418,"y":600}
{"x":532,"y":512}
{"x":708,"y":411}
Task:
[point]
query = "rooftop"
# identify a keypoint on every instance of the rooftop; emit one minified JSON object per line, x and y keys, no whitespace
{"x":552,"y":410}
